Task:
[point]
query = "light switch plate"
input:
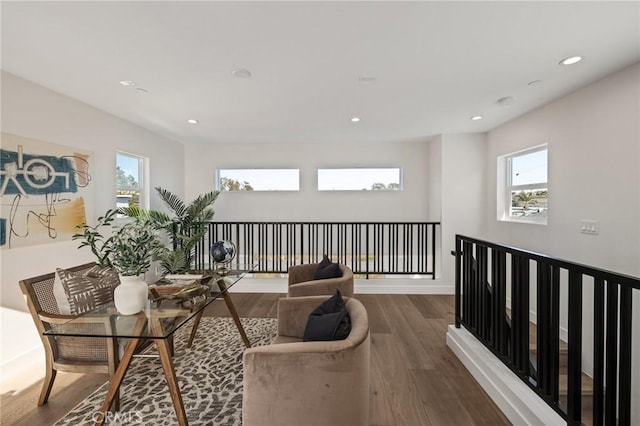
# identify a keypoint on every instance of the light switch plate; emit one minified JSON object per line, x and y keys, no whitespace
{"x":591,"y":227}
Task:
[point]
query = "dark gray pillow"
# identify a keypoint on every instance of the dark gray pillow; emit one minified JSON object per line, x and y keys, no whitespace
{"x":326,"y":269}
{"x":329,"y":321}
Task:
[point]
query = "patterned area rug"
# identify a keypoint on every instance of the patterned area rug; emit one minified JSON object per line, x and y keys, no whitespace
{"x":209,"y":374}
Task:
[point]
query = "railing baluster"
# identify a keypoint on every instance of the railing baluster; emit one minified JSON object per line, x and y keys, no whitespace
{"x":458,"y":291}
{"x":475,"y":291}
{"x":598,"y":354}
{"x":574,"y":357}
{"x":433,"y":250}
{"x":520,"y":314}
{"x":611,"y":369}
{"x":554,"y":338}
{"x":467,"y":256}
{"x":482,"y":289}
{"x":498,"y":272}
{"x":367,"y":251}
{"x":543,"y":273}
{"x":624,"y":391}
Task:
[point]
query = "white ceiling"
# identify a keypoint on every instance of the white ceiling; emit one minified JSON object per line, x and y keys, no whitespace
{"x":436,"y":63}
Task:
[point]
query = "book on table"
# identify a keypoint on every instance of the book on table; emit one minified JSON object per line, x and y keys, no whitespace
{"x":173,"y":283}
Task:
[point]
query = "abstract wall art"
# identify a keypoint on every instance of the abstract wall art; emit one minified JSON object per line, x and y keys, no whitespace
{"x":45,"y":191}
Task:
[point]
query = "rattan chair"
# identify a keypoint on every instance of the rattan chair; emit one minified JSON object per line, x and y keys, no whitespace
{"x":69,"y":354}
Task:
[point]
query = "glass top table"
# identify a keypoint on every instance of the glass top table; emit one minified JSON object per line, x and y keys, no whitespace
{"x":156,"y":323}
{"x":162,"y":316}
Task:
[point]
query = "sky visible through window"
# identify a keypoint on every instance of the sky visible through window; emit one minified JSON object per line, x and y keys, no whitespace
{"x":130,"y":165}
{"x":529,"y":168}
{"x":358,"y":179}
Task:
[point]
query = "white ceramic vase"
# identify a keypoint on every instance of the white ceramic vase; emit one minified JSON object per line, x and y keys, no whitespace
{"x":131,"y":295}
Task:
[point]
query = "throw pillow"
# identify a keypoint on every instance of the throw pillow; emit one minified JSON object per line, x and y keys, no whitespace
{"x":324,"y":262}
{"x":327,"y":270}
{"x":329,"y":321}
{"x":109,"y":275}
{"x":61,"y":296}
{"x":84,"y":292}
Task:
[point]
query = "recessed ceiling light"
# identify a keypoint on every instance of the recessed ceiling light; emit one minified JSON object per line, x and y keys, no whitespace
{"x":128,"y":83}
{"x":534,"y":82}
{"x":141,"y":90}
{"x":476,"y":117}
{"x":192,"y":121}
{"x":571,"y":60}
{"x":241,"y":73}
{"x":355,"y":119}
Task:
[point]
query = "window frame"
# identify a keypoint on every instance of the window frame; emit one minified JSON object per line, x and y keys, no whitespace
{"x":143,"y":172}
{"x":398,"y":168}
{"x":509,"y":187}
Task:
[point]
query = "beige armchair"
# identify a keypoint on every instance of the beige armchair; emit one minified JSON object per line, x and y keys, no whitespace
{"x":292,"y":382}
{"x":301,"y":282}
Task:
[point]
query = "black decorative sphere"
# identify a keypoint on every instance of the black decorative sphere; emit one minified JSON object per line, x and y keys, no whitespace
{"x":222,"y":251}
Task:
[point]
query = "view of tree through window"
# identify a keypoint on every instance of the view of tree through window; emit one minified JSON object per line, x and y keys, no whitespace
{"x":129,"y":188}
{"x":228,"y":184}
{"x":258,"y":180}
{"x":527,"y":184}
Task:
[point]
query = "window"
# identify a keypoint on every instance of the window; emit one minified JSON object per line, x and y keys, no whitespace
{"x":359,"y":179}
{"x":258,"y":180}
{"x":130,"y":181}
{"x":525,"y":195}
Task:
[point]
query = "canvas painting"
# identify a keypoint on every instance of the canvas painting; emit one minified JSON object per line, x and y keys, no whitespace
{"x":45,"y":191}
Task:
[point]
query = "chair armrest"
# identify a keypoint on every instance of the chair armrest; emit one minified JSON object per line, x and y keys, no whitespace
{"x":327,"y":286}
{"x":293,"y":314}
{"x":302,"y":273}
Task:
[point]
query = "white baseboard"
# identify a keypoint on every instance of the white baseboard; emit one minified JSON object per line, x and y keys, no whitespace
{"x":374,"y":286}
{"x":516,"y":400}
{"x":260,"y":285}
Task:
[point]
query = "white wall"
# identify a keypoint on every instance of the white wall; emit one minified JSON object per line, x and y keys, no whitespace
{"x":434,"y":178}
{"x":434,"y":193}
{"x":35,"y":112}
{"x":308,"y":204}
{"x":463,"y":196}
{"x":593,"y":137}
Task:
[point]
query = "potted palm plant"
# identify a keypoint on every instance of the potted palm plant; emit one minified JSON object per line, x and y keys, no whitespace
{"x":129,"y":250}
{"x":185,"y":228}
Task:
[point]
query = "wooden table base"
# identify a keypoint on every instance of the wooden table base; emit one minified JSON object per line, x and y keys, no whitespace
{"x":232,"y":311}
{"x":123,"y":366}
{"x":165,"y":350}
{"x":166,"y":359}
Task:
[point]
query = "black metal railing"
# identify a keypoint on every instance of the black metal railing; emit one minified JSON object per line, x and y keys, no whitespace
{"x":368,"y":248}
{"x":487,"y":273}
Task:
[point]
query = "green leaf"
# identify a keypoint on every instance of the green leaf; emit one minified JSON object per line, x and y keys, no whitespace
{"x":172,"y":201}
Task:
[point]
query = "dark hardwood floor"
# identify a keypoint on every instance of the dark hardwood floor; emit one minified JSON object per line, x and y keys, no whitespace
{"x":415,"y":378}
